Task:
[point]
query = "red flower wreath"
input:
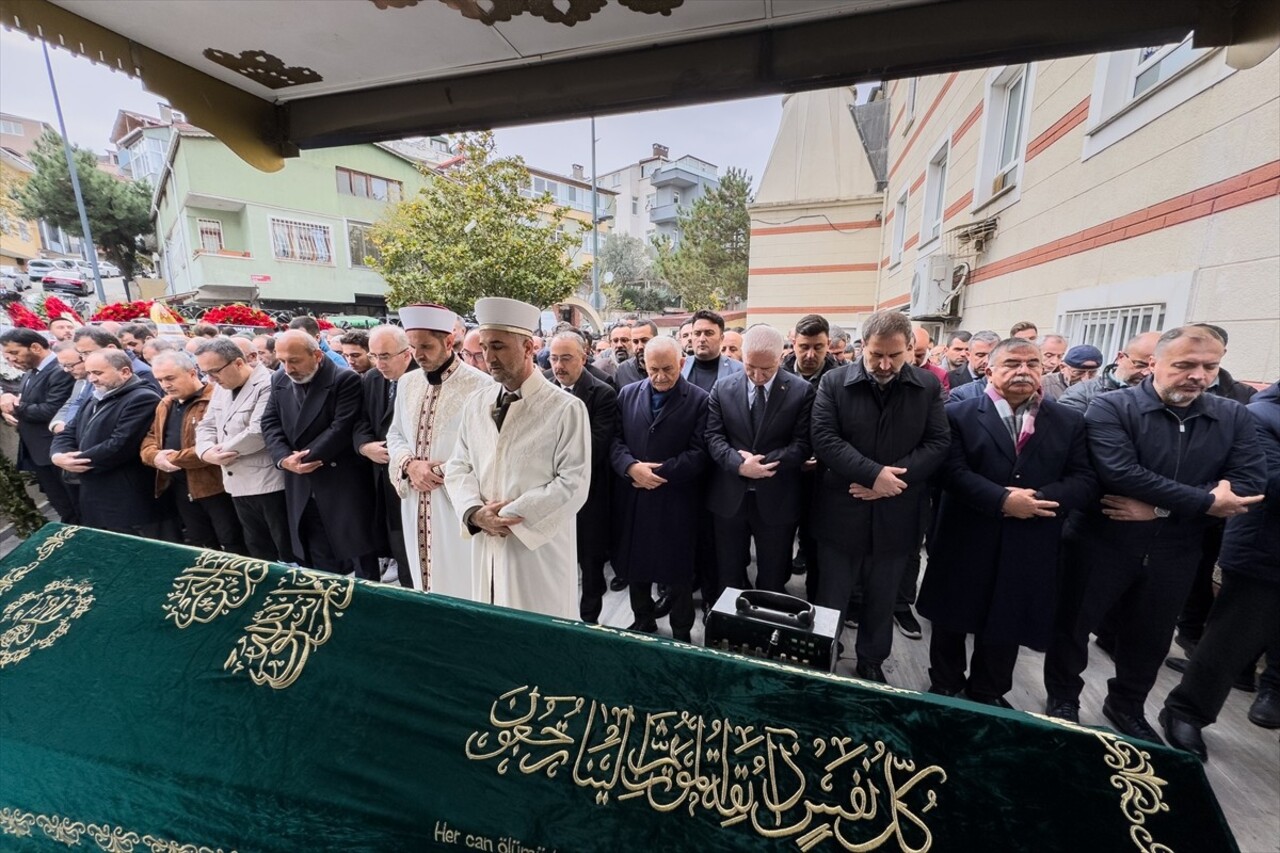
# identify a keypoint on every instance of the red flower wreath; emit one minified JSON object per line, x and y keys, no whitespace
{"x":123,"y":312}
{"x":52,"y":308}
{"x":23,"y":317}
{"x":238,"y":314}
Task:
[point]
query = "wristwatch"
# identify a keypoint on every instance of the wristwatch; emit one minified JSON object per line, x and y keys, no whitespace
{"x":1160,"y":512}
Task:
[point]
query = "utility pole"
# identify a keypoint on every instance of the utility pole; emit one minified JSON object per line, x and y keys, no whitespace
{"x":597,"y":298}
{"x":75,"y":180}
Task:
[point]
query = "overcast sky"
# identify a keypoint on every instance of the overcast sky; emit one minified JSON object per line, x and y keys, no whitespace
{"x":733,"y":133}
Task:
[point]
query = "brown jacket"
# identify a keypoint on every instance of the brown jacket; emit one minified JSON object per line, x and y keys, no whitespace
{"x":203,"y":480}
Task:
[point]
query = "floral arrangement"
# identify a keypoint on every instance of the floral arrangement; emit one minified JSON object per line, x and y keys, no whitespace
{"x":124,"y":312}
{"x":324,"y":324}
{"x":52,"y":308}
{"x":23,"y":317}
{"x":238,"y":314}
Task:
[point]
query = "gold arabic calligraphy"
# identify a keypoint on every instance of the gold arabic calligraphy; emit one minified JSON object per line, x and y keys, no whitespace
{"x":860,"y":795}
{"x":217,"y":584}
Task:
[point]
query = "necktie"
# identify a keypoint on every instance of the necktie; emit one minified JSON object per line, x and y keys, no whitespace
{"x":391,"y":394}
{"x":500,"y":413}
{"x":757,"y":410}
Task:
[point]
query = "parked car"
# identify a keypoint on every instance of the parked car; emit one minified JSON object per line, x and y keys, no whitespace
{"x":13,"y":279}
{"x":69,"y":283}
{"x":41,"y":267}
{"x":105,"y":269}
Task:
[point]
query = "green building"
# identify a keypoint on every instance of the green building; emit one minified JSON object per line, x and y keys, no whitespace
{"x":297,"y":238}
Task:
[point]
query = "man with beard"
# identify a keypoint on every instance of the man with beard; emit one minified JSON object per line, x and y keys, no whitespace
{"x":101,"y":446}
{"x":686,"y":338}
{"x":1080,"y":364}
{"x":1052,"y":349}
{"x":810,"y":361}
{"x":392,"y":357}
{"x":1170,"y":460}
{"x":880,"y":432}
{"x":975,"y":368}
{"x":732,"y":345}
{"x":568,"y":371}
{"x":1132,"y":365}
{"x":421,"y":438}
{"x":307,"y":425}
{"x":266,"y":347}
{"x":633,"y":370}
{"x":355,"y":349}
{"x":1017,"y":466}
{"x":520,"y":472}
{"x":45,"y":388}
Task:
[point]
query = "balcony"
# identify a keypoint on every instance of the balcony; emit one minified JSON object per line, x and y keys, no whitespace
{"x":664,"y":213}
{"x":674,"y":176}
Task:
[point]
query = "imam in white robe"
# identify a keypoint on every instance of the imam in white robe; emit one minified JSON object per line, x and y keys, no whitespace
{"x":541,"y":462}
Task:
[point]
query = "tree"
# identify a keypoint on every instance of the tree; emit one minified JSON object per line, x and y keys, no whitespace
{"x":119,"y":211}
{"x":627,"y":258}
{"x":472,"y":233}
{"x":708,"y":269}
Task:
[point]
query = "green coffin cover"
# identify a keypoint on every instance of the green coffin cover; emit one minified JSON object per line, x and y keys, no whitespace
{"x":165,"y":699}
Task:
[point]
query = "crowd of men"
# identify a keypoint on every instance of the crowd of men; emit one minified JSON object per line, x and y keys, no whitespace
{"x":1057,"y":494}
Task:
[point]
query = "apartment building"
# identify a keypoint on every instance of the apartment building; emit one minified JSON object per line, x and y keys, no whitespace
{"x":653,"y":192}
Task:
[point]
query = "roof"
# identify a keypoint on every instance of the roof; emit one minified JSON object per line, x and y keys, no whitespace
{"x":817,"y":154}
{"x":274,"y":76}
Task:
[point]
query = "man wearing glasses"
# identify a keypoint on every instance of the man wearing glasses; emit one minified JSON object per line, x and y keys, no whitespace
{"x":230,"y":435}
{"x":72,"y":362}
{"x":1080,"y":364}
{"x":472,"y":354}
{"x":1132,"y":365}
{"x":392,"y":358}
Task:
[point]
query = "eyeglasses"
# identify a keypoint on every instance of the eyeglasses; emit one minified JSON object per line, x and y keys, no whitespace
{"x":72,"y":365}
{"x":218,"y":370}
{"x":1140,"y":365}
{"x":387,"y":356}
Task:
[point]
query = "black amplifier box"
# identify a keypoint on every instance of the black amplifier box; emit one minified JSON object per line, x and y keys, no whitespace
{"x":775,"y":626}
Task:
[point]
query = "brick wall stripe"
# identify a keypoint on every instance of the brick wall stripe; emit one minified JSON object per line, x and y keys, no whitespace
{"x":895,"y":302}
{"x":1058,"y":129}
{"x":946,"y":86}
{"x":1245,"y":188}
{"x":808,"y":309}
{"x":911,"y":241}
{"x":815,"y":268}
{"x":969,"y":122}
{"x":958,"y":205}
{"x":916,"y":184}
{"x":770,"y":231}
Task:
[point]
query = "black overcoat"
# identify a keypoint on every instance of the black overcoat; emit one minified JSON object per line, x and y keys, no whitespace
{"x":118,"y":493}
{"x":372,"y":425}
{"x":43,"y":393}
{"x":857,"y":430}
{"x":655,"y":530}
{"x":988,"y":574}
{"x":323,"y":424}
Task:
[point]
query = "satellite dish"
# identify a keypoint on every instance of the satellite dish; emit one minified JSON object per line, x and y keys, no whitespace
{"x":608,"y":277}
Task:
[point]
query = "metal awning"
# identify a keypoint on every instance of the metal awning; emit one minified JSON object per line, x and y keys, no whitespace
{"x":269,"y":77}
{"x":224,"y":293}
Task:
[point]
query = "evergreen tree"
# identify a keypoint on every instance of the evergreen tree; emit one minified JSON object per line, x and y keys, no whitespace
{"x":708,"y":269}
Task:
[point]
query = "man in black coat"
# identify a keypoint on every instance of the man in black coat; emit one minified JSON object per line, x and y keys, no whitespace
{"x":632,"y":370}
{"x":44,"y":390}
{"x":1170,"y":459}
{"x":758,"y":439}
{"x":308,"y":426}
{"x":568,"y":371}
{"x":1017,"y":466}
{"x":1245,"y":618}
{"x":810,"y":361}
{"x":880,"y":432}
{"x":981,"y":344}
{"x":392,"y":358}
{"x":660,"y":457}
{"x":102,"y":446}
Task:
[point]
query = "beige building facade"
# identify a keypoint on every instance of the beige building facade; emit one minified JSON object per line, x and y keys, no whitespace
{"x":1095,"y":196}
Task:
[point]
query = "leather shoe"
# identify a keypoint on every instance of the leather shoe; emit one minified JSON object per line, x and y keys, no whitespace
{"x":993,"y":701}
{"x":662,"y":606}
{"x":682,"y":636}
{"x":648,"y":626}
{"x":1063,"y":709}
{"x":1265,"y":710}
{"x":1183,"y":735}
{"x":939,"y":690}
{"x":1132,"y":725}
{"x":1244,"y":681}
{"x":617,"y":584}
{"x":868,"y":671}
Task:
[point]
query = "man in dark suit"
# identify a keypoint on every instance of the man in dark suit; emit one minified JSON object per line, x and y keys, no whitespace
{"x":880,"y":432}
{"x":1018,"y":465}
{"x":44,"y":390}
{"x":568,"y":371}
{"x":632,"y":370}
{"x":102,"y":447}
{"x":392,"y":358}
{"x":758,"y":439}
{"x":659,"y":456}
{"x":308,"y":426}
{"x":980,"y":346}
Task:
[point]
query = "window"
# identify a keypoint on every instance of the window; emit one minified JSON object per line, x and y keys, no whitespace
{"x":542,"y":185}
{"x":210,"y":235}
{"x":359,"y":184}
{"x":6,"y":226}
{"x":24,"y":230}
{"x":441,"y":144}
{"x":11,"y":128}
{"x":1157,"y":64}
{"x":935,"y":196}
{"x":899,"y":228}
{"x":1109,"y":329}
{"x":301,"y":241}
{"x":1004,"y":132}
{"x":617,"y":179}
{"x":359,"y":244}
{"x":650,"y":201}
{"x":910,"y":112}
{"x":675,"y":197}
{"x":635,"y":204}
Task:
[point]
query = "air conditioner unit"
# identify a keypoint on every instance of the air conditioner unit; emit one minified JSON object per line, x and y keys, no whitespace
{"x":931,"y":287}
